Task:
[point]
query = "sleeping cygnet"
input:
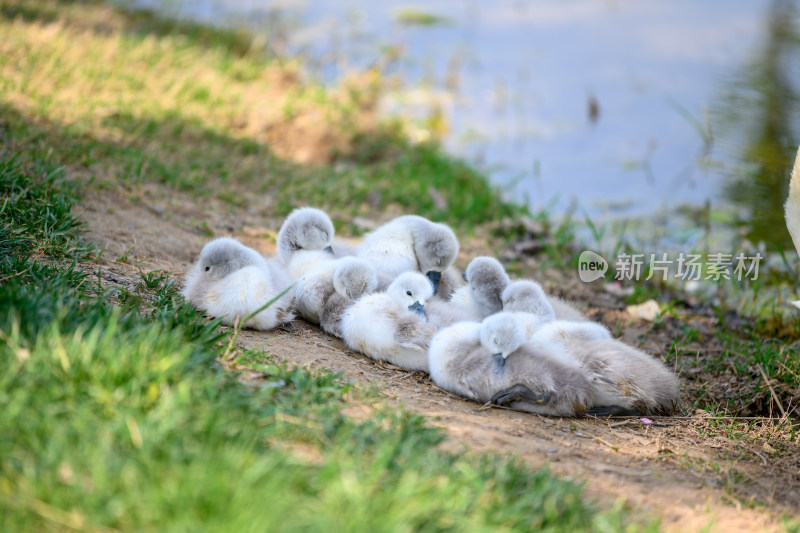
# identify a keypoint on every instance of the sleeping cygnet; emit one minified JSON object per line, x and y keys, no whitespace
{"x":391,"y":326}
{"x":625,"y":380}
{"x":486,"y":279}
{"x":326,"y":290}
{"x":304,"y":240}
{"x":232,"y":281}
{"x":529,"y":293}
{"x":534,"y":308}
{"x":490,"y":362}
{"x":410,"y":243}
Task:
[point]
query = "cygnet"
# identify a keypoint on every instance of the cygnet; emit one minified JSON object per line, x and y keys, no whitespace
{"x":304,"y":240}
{"x":625,"y":380}
{"x":535,"y":310}
{"x":486,"y":279}
{"x":232,"y":281}
{"x":410,"y":243}
{"x":391,"y":326}
{"x":490,"y":361}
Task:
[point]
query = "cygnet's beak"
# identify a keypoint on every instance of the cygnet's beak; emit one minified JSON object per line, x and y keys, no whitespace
{"x":329,"y":249}
{"x":464,"y":277}
{"x":435,"y":278}
{"x":500,"y":361}
{"x":418,"y":308}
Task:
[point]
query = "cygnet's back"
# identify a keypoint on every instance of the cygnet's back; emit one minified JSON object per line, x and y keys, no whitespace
{"x":232,"y":281}
{"x":635,"y":382}
{"x":352,"y":279}
{"x":410,"y":243}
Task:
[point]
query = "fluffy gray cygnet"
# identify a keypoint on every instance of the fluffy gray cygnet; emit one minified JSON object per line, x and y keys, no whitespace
{"x":232,"y":281}
{"x":486,"y":279}
{"x":304,"y":240}
{"x":490,"y":362}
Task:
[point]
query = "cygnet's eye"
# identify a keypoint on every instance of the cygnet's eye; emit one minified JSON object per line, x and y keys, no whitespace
{"x":208,"y":268}
{"x":409,"y":293}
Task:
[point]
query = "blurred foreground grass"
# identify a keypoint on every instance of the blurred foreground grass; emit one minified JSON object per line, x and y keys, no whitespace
{"x":115,"y":412}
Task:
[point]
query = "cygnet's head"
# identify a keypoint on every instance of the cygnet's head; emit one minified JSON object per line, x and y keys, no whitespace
{"x":411,"y":290}
{"x":306,"y":228}
{"x":526,"y":296}
{"x":354,"y":277}
{"x":487,"y":279}
{"x":222,"y":256}
{"x":436,"y":247}
{"x":502,"y":334}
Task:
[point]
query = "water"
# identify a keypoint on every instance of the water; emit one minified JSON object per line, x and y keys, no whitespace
{"x":610,"y":109}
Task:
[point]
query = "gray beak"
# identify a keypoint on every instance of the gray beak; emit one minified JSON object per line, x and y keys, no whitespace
{"x":500,"y":362}
{"x":329,"y":249}
{"x":464,"y":277}
{"x":418,"y":308}
{"x":435,"y":278}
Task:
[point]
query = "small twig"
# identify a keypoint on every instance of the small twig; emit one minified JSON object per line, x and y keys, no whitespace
{"x":15,"y":275}
{"x":615,"y":448}
{"x":772,"y":391}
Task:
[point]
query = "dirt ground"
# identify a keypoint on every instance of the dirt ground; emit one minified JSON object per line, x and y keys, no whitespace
{"x":690,"y":471}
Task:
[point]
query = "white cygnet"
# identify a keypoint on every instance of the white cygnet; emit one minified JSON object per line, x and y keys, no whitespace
{"x":391,"y":326}
{"x":490,"y":361}
{"x":792,"y":208}
{"x":410,"y":243}
{"x":326,"y":290}
{"x":486,"y":279}
{"x":232,"y":281}
{"x":304,"y":240}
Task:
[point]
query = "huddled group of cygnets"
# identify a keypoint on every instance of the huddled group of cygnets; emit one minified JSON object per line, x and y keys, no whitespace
{"x":397,"y":298}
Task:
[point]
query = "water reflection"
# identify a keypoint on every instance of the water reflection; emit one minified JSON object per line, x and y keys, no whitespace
{"x":762,"y":105}
{"x":612,"y":108}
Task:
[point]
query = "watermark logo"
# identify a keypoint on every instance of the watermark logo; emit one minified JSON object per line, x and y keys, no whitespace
{"x":686,"y":266}
{"x":591,"y":266}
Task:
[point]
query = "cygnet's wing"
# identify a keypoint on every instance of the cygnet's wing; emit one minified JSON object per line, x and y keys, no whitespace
{"x":555,"y":388}
{"x":565,"y":311}
{"x":411,"y":331}
{"x":342,"y":248}
{"x":313,"y":289}
{"x":442,"y":314}
{"x":389,"y":250}
{"x":334,"y":308}
{"x":470,"y":370}
{"x":632,"y":373}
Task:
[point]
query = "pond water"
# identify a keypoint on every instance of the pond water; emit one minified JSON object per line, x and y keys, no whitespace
{"x":608,"y":109}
